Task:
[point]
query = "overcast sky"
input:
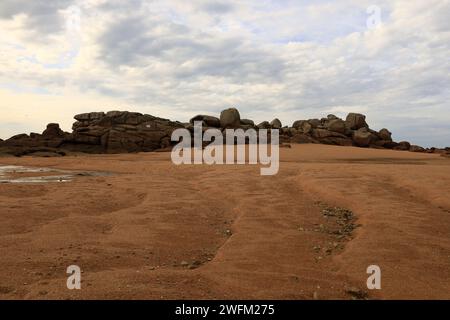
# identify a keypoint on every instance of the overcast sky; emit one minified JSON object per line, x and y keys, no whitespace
{"x":291,"y":59}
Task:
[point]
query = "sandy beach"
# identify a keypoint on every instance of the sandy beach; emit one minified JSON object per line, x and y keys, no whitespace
{"x":152,"y":230}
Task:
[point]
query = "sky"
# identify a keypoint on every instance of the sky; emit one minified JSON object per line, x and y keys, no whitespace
{"x":290,"y":59}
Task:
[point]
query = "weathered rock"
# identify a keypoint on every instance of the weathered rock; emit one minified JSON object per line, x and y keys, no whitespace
{"x":362,"y":137}
{"x":336,"y":125}
{"x":285,"y":131}
{"x":210,"y":121}
{"x":293,"y":131}
{"x":18,"y":137}
{"x":323,"y":133}
{"x":403,"y":146}
{"x":385,"y":134}
{"x":332,"y":117}
{"x":302,"y":138}
{"x":314,"y":123}
{"x":53,"y":131}
{"x":89,"y":116}
{"x":385,"y":144}
{"x":264,"y":125}
{"x":414,"y":148}
{"x":356,"y":121}
{"x":337,"y":141}
{"x":298,"y":123}
{"x":122,"y":131}
{"x":230,"y":118}
{"x":302,"y":126}
{"x":247,"y":122}
{"x":276,"y":124}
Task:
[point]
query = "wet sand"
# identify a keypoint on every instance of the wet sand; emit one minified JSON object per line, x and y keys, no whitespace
{"x":153,"y":230}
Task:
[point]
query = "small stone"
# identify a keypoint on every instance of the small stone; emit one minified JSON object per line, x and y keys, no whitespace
{"x":184,"y":263}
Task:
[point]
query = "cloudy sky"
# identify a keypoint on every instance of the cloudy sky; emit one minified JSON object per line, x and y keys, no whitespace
{"x":291,"y":59}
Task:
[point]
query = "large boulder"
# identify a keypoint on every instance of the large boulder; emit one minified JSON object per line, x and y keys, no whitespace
{"x":209,"y":121}
{"x":403,"y":146}
{"x":247,"y":122}
{"x":336,"y":125}
{"x":297,"y":123}
{"x":356,"y":121}
{"x":385,"y":134}
{"x":264,"y":125}
{"x":315,"y":123}
{"x":362,"y":137}
{"x":276,"y":124}
{"x":415,"y":148}
{"x":230,"y":118}
{"x":303,"y":126}
{"x":53,"y":131}
{"x":332,"y":117}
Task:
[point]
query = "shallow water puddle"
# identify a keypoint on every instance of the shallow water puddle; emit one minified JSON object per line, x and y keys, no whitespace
{"x":17,"y":174}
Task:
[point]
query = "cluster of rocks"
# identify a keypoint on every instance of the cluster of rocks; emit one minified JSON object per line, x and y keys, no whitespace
{"x":353,"y":131}
{"x":122,"y":132}
{"x":98,"y":132}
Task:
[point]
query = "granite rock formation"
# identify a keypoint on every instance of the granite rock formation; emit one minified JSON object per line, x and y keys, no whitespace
{"x":123,"y":132}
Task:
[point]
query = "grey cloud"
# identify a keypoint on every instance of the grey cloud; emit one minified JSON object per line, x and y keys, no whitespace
{"x":191,"y":54}
{"x":218,"y":7}
{"x":43,"y":16}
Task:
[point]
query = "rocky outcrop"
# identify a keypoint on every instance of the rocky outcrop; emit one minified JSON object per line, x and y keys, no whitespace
{"x":98,"y":132}
{"x":122,"y":131}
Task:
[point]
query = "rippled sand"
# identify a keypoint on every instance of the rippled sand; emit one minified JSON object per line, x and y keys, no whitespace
{"x":154,"y":230}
